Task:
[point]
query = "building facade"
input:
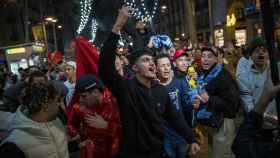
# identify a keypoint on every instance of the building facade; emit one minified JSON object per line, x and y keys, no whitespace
{"x":218,"y":22}
{"x":171,"y":20}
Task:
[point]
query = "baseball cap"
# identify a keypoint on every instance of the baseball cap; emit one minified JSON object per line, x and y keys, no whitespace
{"x":88,"y":82}
{"x":210,"y":49}
{"x":179,"y":53}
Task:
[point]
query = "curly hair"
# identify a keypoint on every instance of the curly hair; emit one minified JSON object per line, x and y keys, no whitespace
{"x":34,"y":97}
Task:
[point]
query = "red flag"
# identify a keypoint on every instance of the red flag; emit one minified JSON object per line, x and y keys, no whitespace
{"x":54,"y":57}
{"x":87,"y":57}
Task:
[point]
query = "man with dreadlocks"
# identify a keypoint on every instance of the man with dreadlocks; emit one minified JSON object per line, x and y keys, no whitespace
{"x":34,"y":129}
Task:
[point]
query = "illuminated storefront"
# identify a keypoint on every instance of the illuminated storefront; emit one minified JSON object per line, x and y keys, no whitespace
{"x":219,"y":38}
{"x":240,"y":37}
{"x":236,"y":24}
{"x":22,"y":56}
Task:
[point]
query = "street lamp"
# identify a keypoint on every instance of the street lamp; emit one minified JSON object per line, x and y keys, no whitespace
{"x":59,"y":26}
{"x":163,"y":8}
{"x":49,"y":19}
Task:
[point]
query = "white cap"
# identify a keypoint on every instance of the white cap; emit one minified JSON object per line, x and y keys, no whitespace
{"x":72,"y":63}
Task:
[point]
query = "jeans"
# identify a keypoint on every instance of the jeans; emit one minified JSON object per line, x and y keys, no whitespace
{"x":175,"y":147}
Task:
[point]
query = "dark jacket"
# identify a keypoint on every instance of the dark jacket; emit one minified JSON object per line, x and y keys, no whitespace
{"x":142,"y":110}
{"x":223,"y":94}
{"x":250,"y":142}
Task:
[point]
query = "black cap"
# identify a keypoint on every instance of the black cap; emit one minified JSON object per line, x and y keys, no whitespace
{"x":133,"y":57}
{"x":88,"y":82}
{"x":210,"y":49}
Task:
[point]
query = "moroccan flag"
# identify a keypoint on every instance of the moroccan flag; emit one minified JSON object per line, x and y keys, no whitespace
{"x":87,"y":58}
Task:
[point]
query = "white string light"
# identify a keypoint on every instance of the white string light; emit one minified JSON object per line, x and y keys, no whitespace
{"x":94,"y":25}
{"x":141,"y":12}
{"x":85,"y":13}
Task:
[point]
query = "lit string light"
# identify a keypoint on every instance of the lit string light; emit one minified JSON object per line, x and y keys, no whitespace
{"x":141,"y":12}
{"x":94,"y":25}
{"x":85,"y":13}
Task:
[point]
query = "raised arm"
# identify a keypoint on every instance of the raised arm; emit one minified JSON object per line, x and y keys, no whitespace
{"x":107,"y":70}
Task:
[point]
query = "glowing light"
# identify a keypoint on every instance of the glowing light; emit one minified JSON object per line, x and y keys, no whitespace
{"x":140,"y":11}
{"x":85,"y":13}
{"x":16,"y":50}
{"x":231,"y":20}
{"x":93,"y":29}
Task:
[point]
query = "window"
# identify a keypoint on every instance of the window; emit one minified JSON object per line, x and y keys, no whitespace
{"x":240,"y":37}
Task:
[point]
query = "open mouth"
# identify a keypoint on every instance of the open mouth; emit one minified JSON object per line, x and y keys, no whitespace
{"x":151,"y":69}
{"x":205,"y":64}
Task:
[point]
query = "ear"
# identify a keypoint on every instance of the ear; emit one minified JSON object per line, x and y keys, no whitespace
{"x":135,"y":68}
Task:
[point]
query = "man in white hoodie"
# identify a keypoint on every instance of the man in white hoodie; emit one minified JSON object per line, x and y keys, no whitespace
{"x":34,"y":130}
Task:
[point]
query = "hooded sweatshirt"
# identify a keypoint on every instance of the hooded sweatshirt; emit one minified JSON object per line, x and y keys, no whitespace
{"x":37,"y":140}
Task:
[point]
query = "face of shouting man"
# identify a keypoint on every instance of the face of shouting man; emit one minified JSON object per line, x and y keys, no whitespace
{"x":260,"y":58}
{"x":145,"y":67}
{"x":208,"y":59}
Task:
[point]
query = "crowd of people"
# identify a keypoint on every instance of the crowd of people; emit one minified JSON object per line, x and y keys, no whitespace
{"x":156,"y":100}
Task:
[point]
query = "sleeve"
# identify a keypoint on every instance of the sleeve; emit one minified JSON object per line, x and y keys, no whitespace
{"x":177,"y":121}
{"x":113,"y":112}
{"x":245,"y":92}
{"x":74,"y":121}
{"x":243,"y":66}
{"x":114,"y":128}
{"x":11,"y":150}
{"x":5,"y":118}
{"x":227,"y":99}
{"x":244,"y":144}
{"x":114,"y":125}
{"x":107,"y":70}
{"x":186,"y":98}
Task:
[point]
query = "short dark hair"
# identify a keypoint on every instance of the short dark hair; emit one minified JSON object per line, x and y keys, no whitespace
{"x":36,"y":74}
{"x":134,"y":56}
{"x":160,"y":56}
